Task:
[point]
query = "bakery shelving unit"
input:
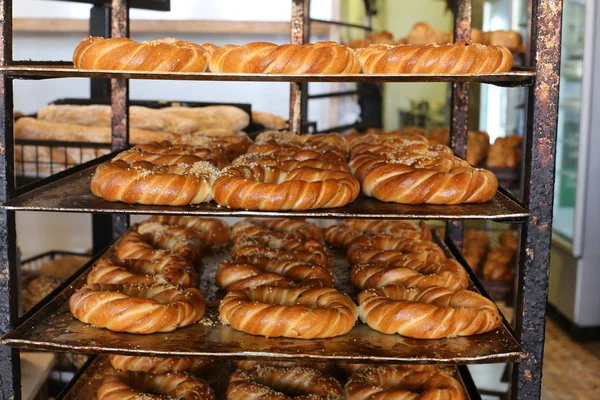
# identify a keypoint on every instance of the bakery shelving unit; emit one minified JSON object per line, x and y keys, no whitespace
{"x":67,"y":191}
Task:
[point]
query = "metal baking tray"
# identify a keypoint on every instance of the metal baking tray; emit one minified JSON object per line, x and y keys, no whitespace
{"x":53,"y":328}
{"x":69,"y":191}
{"x":42,"y":70}
{"x":91,"y":378}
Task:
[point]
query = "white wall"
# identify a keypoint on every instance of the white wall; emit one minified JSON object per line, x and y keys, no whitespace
{"x":45,"y":231}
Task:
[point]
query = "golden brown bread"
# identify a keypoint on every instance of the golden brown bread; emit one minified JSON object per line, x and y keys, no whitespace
{"x":163,"y":55}
{"x":35,"y":129}
{"x":38,"y":289}
{"x":282,"y":227}
{"x":287,"y":162}
{"x":448,"y":273}
{"x":158,"y":365}
{"x":299,"y":313}
{"x":217,"y":159}
{"x":343,"y":234}
{"x":269,"y":121}
{"x":209,"y":231}
{"x":249,"y":364}
{"x":139,"y":385}
{"x":260,"y":250}
{"x":144,"y":272}
{"x":458,"y":58}
{"x":282,"y":273}
{"x":268,"y":188}
{"x":421,"y":179}
{"x":423,"y":34}
{"x":137,"y":309}
{"x":505,"y":152}
{"x":431,"y":313}
{"x":509,"y":39}
{"x":210,"y":117}
{"x":269,"y":382}
{"x":230,"y":145}
{"x":366,"y":248}
{"x":63,"y":267}
{"x":269,"y":58}
{"x":398,"y":382}
{"x":145,"y":183}
{"x":186,"y":243}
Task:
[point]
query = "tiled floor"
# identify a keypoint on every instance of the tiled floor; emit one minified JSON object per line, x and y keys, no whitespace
{"x":571,"y":370}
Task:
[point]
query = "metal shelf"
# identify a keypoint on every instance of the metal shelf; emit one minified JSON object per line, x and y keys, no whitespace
{"x":53,"y":328}
{"x":157,"y":5}
{"x":90,"y":380}
{"x":69,"y":191}
{"x":39,"y":70}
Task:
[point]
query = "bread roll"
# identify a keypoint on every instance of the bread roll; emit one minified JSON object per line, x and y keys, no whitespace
{"x":164,"y":55}
{"x":211,"y":116}
{"x":269,"y":121}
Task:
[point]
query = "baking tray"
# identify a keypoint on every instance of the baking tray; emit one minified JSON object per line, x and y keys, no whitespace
{"x":54,"y":328}
{"x":69,"y":191}
{"x":91,"y":378}
{"x":42,"y":70}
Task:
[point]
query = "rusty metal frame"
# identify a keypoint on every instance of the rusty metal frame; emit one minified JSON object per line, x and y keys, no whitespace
{"x":538,"y":195}
{"x":10,"y":366}
{"x":460,"y":108}
{"x":299,"y":34}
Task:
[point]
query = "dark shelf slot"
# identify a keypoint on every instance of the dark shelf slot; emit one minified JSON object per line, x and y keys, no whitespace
{"x":53,"y":328}
{"x":520,"y":77}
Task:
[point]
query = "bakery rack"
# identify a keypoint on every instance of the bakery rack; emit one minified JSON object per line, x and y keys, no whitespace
{"x":523,"y":347}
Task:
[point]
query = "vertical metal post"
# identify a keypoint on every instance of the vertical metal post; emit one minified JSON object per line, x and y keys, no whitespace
{"x":460,"y":109}
{"x":300,"y":33}
{"x":538,"y":196}
{"x":100,"y":91}
{"x":10,"y":368}
{"x":119,"y":96}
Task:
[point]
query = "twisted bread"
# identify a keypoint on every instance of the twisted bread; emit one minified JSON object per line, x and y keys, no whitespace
{"x":459,"y":58}
{"x":381,"y":382}
{"x":158,"y":365}
{"x":299,"y":313}
{"x":136,"y":154}
{"x":391,"y":181}
{"x":266,"y":382}
{"x":231,"y":145}
{"x":37,"y":289}
{"x":432,"y":313}
{"x":137,"y":309}
{"x":449,"y":274}
{"x":138,"y":385}
{"x":334,"y":140}
{"x":367,"y":247}
{"x":210,"y":231}
{"x":145,"y":183}
{"x":185,"y":243}
{"x":288,"y":228}
{"x":253,"y":252}
{"x":343,"y":234}
{"x":272,"y":160}
{"x":168,"y":55}
{"x":267,"y":188}
{"x":250,"y":364}
{"x":133,"y":246}
{"x":238,"y":276}
{"x":269,"y":58}
{"x":143,"y":272}
{"x":351,"y":368}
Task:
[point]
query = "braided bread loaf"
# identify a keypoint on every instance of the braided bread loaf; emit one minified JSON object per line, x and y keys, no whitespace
{"x":144,"y":272}
{"x":448,"y":273}
{"x":133,"y":246}
{"x":137,"y":309}
{"x":300,"y":313}
{"x":281,"y":273}
{"x":269,"y":58}
{"x":267,"y":382}
{"x":431,"y":313}
{"x":158,"y":365}
{"x":209,"y":231}
{"x":392,"y":180}
{"x":252,"y":251}
{"x":250,"y":364}
{"x":343,"y":234}
{"x":168,"y":55}
{"x":366,"y":248}
{"x":397,"y":382}
{"x":286,"y":163}
{"x":185,"y":243}
{"x":138,"y":385}
{"x":459,"y":58}
{"x":145,"y":183}
{"x":256,"y":187}
{"x":230,"y":145}
{"x":281,"y":227}
{"x":172,"y":158}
